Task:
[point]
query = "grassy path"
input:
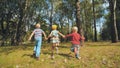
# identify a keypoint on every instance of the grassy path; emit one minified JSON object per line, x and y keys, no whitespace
{"x":94,"y":55}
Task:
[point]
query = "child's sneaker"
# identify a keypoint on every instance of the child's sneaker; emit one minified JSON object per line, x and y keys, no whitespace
{"x":34,"y":54}
{"x":37,"y":58}
{"x":52,"y":57}
{"x":79,"y":58}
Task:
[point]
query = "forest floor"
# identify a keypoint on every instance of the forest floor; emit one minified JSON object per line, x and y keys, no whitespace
{"x":93,"y":55}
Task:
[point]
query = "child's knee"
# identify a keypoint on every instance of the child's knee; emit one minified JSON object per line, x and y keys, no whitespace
{"x":72,"y":49}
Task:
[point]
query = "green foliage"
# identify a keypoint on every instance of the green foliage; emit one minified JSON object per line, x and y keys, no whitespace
{"x":17,"y":18}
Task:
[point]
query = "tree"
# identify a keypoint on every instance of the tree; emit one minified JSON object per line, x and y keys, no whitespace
{"x":118,"y":17}
{"x":94,"y":19}
{"x":78,"y":23}
{"x":114,"y":34}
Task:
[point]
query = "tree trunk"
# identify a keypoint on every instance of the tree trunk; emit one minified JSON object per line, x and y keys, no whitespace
{"x":19,"y":27}
{"x":94,"y":18}
{"x":114,"y":34}
{"x":2,"y":32}
{"x":78,"y":23}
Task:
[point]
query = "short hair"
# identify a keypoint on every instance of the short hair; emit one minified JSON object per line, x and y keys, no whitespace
{"x":37,"y":25}
{"x":54,"y":27}
{"x":75,"y":28}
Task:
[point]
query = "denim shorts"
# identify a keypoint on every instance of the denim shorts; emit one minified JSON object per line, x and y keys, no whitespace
{"x":73,"y":46}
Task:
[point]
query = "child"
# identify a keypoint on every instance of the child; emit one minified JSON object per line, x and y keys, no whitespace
{"x":38,"y":38}
{"x":75,"y":40}
{"x":54,"y":37}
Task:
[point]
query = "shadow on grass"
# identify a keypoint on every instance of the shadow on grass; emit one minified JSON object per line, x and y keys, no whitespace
{"x":7,"y":49}
{"x":29,"y":55}
{"x":66,"y":55}
{"x":45,"y":52}
{"x":10,"y":49}
{"x":63,"y":46}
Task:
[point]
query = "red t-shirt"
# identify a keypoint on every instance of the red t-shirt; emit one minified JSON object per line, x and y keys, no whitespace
{"x":75,"y":38}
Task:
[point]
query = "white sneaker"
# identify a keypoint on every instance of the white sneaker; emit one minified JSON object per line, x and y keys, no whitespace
{"x":52,"y":57}
{"x":79,"y":58}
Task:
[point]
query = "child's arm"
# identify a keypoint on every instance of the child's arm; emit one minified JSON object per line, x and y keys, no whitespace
{"x":49,"y":35}
{"x":61,"y":34}
{"x":68,"y":35}
{"x":82,"y":40}
{"x":31,"y":36}
{"x":45,"y":35}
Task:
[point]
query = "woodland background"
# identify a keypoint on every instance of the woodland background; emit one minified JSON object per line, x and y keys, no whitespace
{"x":99,"y":19}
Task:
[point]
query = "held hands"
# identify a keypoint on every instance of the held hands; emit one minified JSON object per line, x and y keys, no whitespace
{"x":29,"y":39}
{"x":63,"y":36}
{"x":46,"y":38}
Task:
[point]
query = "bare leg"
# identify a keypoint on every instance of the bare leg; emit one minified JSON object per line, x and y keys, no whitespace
{"x":53,"y":47}
{"x":56,"y":47}
{"x":76,"y":53}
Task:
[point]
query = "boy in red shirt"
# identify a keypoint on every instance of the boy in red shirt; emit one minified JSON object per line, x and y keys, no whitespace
{"x":75,"y":40}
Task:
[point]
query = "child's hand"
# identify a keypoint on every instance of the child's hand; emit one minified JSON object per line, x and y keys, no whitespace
{"x":29,"y":39}
{"x":63,"y":36}
{"x":46,"y":38}
{"x":83,"y":38}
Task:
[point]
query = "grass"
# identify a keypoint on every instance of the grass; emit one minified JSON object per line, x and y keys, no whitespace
{"x":94,"y":55}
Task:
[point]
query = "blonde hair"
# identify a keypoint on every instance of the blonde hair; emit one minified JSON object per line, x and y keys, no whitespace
{"x":75,"y":29}
{"x":54,"y":27}
{"x":37,"y":25}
